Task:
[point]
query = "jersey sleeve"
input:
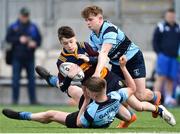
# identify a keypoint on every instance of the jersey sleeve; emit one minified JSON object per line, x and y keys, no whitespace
{"x":90,"y":50}
{"x":123,"y":94}
{"x":93,"y":55}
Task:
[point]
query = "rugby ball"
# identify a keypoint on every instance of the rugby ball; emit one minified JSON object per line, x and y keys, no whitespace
{"x":64,"y":69}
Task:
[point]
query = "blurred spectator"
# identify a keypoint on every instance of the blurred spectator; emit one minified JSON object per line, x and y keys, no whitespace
{"x":166,"y":41}
{"x":177,"y":93}
{"x":24,"y":37}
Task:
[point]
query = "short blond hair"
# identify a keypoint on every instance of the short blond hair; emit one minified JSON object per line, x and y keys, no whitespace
{"x":91,"y":10}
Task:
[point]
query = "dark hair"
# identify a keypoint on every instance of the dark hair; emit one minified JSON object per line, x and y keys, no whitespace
{"x":95,"y":84}
{"x":91,"y":10}
{"x":170,"y":10}
{"x":65,"y":32}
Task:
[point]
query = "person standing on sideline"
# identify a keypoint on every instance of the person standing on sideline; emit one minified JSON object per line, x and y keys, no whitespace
{"x":166,"y":39}
{"x":24,"y":37}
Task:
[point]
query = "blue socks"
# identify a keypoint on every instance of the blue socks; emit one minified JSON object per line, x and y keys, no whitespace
{"x":25,"y":115}
{"x":154,"y":98}
{"x":53,"y":80}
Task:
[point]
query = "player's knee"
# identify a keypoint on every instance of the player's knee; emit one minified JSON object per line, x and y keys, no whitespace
{"x":139,"y":108}
{"x":49,"y":115}
{"x":75,"y":92}
{"x":140,"y":95}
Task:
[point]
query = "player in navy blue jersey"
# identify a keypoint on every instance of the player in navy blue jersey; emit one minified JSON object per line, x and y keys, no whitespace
{"x":84,"y":56}
{"x":99,"y":113}
{"x":111,"y":42}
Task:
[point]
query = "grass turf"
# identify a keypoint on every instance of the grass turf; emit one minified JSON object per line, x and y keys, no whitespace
{"x":144,"y":123}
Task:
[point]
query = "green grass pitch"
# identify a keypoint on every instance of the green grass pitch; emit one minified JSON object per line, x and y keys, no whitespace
{"x":144,"y":123}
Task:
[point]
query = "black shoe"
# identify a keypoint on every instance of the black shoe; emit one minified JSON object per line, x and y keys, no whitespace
{"x":43,"y":73}
{"x":11,"y":114}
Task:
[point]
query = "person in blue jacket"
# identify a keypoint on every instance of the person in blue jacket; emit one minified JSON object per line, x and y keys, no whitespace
{"x":166,"y":40}
{"x":24,"y":37}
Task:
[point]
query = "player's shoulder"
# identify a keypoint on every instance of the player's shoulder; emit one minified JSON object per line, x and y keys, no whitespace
{"x":62,"y":57}
{"x":109,"y":27}
{"x":81,"y":44}
{"x":92,"y":107}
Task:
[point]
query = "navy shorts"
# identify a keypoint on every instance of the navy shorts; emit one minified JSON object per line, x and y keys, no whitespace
{"x":114,"y":82}
{"x":71,"y":120}
{"x":135,"y":66}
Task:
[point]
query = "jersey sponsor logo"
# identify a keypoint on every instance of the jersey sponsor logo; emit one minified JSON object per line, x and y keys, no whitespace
{"x":109,"y":112}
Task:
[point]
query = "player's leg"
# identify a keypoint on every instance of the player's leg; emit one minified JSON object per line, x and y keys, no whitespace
{"x":114,"y":83}
{"x":136,"y":68}
{"x":146,"y":106}
{"x":45,"y":74}
{"x":140,"y":106}
{"x":141,"y":92}
{"x":75,"y":92}
{"x":50,"y":116}
{"x":42,"y":117}
{"x":126,"y":117}
{"x":123,"y":114}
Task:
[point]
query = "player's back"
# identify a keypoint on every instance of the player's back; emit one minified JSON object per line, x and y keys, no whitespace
{"x":101,"y":114}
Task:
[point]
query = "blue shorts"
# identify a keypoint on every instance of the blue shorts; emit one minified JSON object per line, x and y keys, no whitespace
{"x":135,"y":66}
{"x":166,"y":66}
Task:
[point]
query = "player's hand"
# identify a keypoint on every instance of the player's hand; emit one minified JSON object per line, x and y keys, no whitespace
{"x":74,"y":69}
{"x":32,"y":44}
{"x":23,"y":39}
{"x":85,"y":93}
{"x":96,"y":75}
{"x":83,"y":57}
{"x":122,"y":61}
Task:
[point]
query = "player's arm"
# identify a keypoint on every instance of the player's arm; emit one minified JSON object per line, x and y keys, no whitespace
{"x":92,"y":55}
{"x":128,"y":79}
{"x":64,"y":82}
{"x":102,"y":58}
{"x":81,"y":120}
{"x":109,"y":38}
{"x":74,"y":69}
